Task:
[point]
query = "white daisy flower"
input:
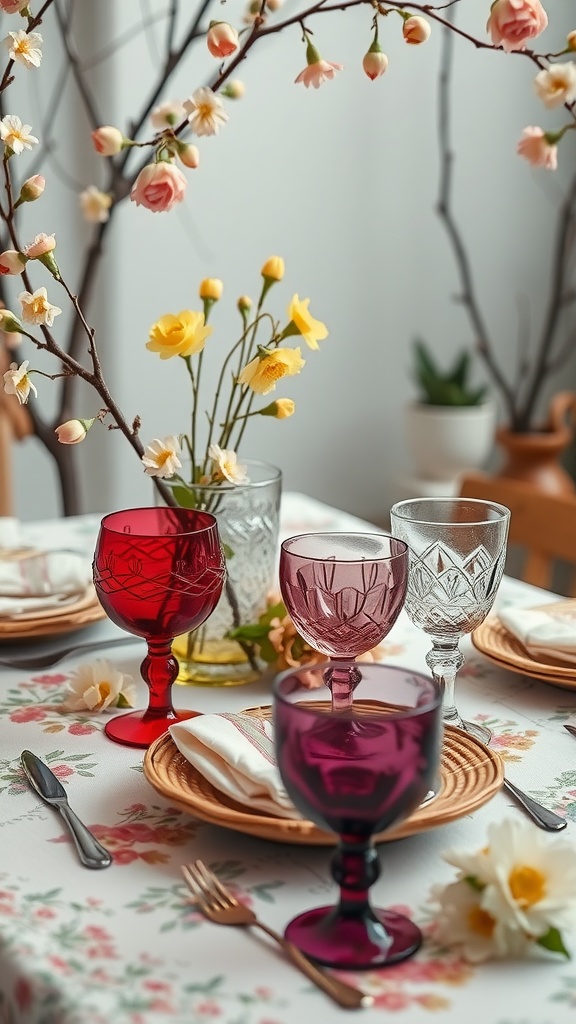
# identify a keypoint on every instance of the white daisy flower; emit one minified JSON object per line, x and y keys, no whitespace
{"x":160,"y":457}
{"x":99,"y":686}
{"x":25,"y":47}
{"x":36,"y":309}
{"x":205,"y":111}
{"x":227,"y":465}
{"x":17,"y":382}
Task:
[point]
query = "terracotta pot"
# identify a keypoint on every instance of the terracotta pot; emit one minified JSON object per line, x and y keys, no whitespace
{"x":534,"y":457}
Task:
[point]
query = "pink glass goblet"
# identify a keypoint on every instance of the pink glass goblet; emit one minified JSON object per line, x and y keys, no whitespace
{"x":158,"y":572}
{"x":357,"y":773}
{"x":344,"y":592}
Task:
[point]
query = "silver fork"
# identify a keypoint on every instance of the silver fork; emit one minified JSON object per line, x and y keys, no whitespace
{"x":218,"y":904}
{"x":54,"y":657}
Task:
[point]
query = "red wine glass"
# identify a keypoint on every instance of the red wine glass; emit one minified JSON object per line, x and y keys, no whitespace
{"x":356,"y":773}
{"x":158,"y":572}
{"x":344,"y":592}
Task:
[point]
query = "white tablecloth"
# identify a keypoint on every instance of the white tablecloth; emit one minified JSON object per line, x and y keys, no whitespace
{"x":124,"y":946}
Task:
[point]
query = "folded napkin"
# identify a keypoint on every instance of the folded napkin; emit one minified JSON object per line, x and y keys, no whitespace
{"x":546,"y":631}
{"x":32,"y":580}
{"x":236,"y":754}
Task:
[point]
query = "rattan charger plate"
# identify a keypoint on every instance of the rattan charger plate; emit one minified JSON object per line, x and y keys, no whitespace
{"x":470,"y":774}
{"x":51,"y":622}
{"x":494,"y":641}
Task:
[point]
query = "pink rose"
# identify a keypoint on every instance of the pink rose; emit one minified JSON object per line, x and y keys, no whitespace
{"x":537,"y":150}
{"x":513,"y":22}
{"x":159,"y":187}
{"x":13,"y":6}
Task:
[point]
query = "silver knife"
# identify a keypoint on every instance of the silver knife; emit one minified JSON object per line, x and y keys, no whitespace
{"x":43,"y":780}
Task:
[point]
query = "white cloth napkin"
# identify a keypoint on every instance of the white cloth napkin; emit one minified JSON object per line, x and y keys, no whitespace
{"x":546,"y":631}
{"x":33,"y":580}
{"x":236,"y":754}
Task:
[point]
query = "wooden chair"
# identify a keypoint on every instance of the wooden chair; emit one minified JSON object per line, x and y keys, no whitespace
{"x":542,"y":525}
{"x":15,"y":424}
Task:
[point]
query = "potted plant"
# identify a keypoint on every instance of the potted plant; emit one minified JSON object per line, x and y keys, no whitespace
{"x":450,"y":428}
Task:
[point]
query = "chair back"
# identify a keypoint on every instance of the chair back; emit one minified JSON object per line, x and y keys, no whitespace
{"x":542,"y":525}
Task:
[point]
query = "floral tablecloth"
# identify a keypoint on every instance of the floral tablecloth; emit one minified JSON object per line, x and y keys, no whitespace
{"x":123,"y":945}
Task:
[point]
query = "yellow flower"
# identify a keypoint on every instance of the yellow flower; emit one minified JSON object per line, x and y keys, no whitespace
{"x":311,"y":330}
{"x":262,"y":372}
{"x":180,"y":334}
{"x":244,"y":303}
{"x":273,"y":268}
{"x":211,"y":288}
{"x":281,"y":409}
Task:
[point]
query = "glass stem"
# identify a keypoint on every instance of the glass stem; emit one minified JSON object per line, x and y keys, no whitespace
{"x":444,"y":660}
{"x":159,"y":670}
{"x":355,"y":868}
{"x":342,"y":681}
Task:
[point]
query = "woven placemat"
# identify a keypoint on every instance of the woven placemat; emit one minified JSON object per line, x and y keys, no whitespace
{"x":470,"y":774}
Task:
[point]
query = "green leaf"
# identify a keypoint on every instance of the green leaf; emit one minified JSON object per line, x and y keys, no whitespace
{"x":185,"y":497}
{"x":122,"y":702}
{"x":474,"y":883}
{"x":252,"y":633}
{"x":553,"y":941}
{"x":228,"y":553}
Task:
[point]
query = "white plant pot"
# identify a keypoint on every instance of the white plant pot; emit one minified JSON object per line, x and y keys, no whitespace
{"x":444,"y":441}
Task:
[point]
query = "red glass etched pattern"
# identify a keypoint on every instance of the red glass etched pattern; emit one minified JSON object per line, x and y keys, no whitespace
{"x":158,"y":572}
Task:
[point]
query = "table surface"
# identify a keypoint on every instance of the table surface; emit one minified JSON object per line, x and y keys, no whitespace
{"x":124,"y":945}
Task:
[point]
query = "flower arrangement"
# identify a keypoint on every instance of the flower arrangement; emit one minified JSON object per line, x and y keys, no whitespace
{"x":513,"y":895}
{"x":149,"y":164}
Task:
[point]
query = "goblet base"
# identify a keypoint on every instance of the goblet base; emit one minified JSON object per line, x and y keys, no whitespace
{"x":354,"y":943}
{"x":140,"y":728}
{"x":479,"y":732}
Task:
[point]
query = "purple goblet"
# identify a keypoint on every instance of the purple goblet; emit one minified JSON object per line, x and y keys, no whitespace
{"x":356,"y":773}
{"x":158,"y":572}
{"x":344,"y":592}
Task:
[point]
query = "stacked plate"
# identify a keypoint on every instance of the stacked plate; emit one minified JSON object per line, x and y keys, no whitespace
{"x":470,"y":774}
{"x":494,"y":641}
{"x":67,"y":618}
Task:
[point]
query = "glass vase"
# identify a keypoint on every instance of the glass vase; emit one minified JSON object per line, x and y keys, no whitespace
{"x":248,"y":518}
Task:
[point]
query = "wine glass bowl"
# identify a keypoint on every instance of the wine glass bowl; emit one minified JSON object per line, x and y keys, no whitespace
{"x":344,"y":592}
{"x":457,"y":551}
{"x":158,"y":572}
{"x":356,"y":773}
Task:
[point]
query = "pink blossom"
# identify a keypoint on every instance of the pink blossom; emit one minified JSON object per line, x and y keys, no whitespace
{"x":28,"y":715}
{"x":45,"y":912}
{"x":537,"y":150}
{"x":53,"y":679}
{"x":513,"y":22}
{"x":159,"y":187}
{"x":62,"y":771}
{"x":107,"y":140}
{"x":81,"y":729}
{"x":222,"y":39}
{"x":13,"y":6}
{"x":41,"y":245}
{"x":124,"y":856}
{"x":317,"y":73}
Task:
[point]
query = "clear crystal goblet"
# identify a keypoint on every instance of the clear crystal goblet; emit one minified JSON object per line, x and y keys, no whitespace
{"x":457,"y":551}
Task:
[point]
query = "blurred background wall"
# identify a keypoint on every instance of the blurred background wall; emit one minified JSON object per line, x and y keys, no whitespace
{"x":342,"y":182}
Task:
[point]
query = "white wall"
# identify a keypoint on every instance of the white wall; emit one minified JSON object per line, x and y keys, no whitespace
{"x":342,"y":183}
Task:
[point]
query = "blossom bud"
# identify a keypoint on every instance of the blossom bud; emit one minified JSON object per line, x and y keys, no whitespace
{"x":73,"y":431}
{"x":244,"y":303}
{"x":211,"y":288}
{"x":375,"y":62}
{"x":189,"y":154}
{"x":9,"y":322}
{"x":107,"y":140}
{"x":273,"y":269}
{"x":32,"y":188}
{"x":222,"y":39}
{"x":234,"y":89}
{"x":416,"y":30}
{"x":274,"y":5}
{"x":41,"y":245}
{"x":12,"y":262}
{"x":281,"y":409}
{"x":571,"y":40}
